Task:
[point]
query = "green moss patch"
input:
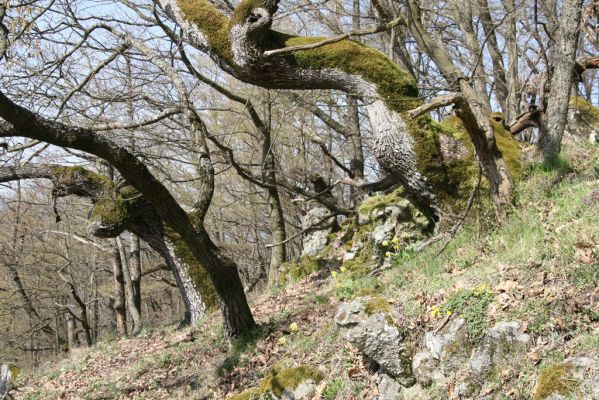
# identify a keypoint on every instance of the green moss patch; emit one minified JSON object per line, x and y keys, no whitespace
{"x":211,"y":22}
{"x":293,"y":271}
{"x":279,"y":380}
{"x":78,"y":176}
{"x":375,"y":305}
{"x":555,"y":379}
{"x":196,"y":271}
{"x":382,"y":201}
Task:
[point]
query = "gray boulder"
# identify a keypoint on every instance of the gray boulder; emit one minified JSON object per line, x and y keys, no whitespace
{"x":500,"y":340}
{"x":378,"y":338}
{"x":426,"y":369}
{"x":317,"y":239}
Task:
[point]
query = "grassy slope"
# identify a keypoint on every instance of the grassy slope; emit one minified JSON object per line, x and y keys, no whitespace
{"x":540,"y":267}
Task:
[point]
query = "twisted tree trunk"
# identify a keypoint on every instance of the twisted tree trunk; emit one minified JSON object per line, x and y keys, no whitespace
{"x":239,"y":46}
{"x":23,"y":122}
{"x":110,"y":216}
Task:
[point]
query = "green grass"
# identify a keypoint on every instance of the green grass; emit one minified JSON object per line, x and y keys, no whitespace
{"x":332,"y":389}
{"x":241,"y":345}
{"x":472,"y":306}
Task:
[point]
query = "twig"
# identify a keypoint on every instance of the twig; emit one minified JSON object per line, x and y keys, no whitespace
{"x":308,"y":229}
{"x":443,"y":323}
{"x":338,"y":38}
{"x":437,"y":102}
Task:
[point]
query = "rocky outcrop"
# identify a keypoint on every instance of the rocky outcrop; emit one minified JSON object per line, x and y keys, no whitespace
{"x":320,"y":226}
{"x":449,"y":356}
{"x":393,"y":215}
{"x":296,"y":383}
{"x":499,"y":341}
{"x":378,"y":338}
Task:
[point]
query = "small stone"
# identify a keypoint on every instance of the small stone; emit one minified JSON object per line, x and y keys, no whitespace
{"x":378,"y":338}
{"x":388,"y":388}
{"x":452,"y":335}
{"x":303,"y":391}
{"x":464,"y":389}
{"x":425,"y":368}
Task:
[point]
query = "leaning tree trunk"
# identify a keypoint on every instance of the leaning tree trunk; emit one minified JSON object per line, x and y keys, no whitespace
{"x":247,"y":48}
{"x":562,"y":77}
{"x":150,"y":229}
{"x":473,"y":111}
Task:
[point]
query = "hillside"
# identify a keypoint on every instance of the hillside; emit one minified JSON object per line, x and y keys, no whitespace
{"x":507,"y":311}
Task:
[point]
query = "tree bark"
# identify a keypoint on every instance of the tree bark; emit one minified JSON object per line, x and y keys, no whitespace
{"x":501,"y":89}
{"x":135,"y":263}
{"x":356,"y":162}
{"x":150,"y":229}
{"x":71,"y":335}
{"x":134,"y":313}
{"x":119,"y":305}
{"x":278,"y":252}
{"x":473,"y":112}
{"x":28,"y":124}
{"x":562,"y":77}
{"x":513,"y":81}
{"x":5,"y":378}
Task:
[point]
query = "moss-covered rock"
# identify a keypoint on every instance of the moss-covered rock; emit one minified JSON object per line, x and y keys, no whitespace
{"x":555,"y":379}
{"x":376,"y":304}
{"x":589,"y":112}
{"x":280,"y":380}
{"x":292,"y":271}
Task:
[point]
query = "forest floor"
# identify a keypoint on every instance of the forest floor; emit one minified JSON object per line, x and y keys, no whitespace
{"x":541,"y":267}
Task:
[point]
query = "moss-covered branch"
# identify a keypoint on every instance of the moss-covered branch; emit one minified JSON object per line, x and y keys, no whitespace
{"x":246,"y":46}
{"x":117,"y":208}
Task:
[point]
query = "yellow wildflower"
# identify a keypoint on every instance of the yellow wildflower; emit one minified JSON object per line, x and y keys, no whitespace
{"x":293,"y":327}
{"x":395,"y":239}
{"x":448,"y":313}
{"x":387,"y":254}
{"x":342,"y":269}
{"x":435,"y":311}
{"x":282,"y":340}
{"x":334,"y":274}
